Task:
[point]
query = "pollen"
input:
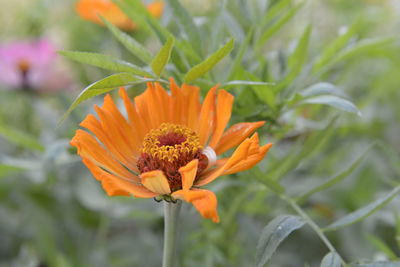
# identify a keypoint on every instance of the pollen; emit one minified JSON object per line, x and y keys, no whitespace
{"x":170,"y":142}
{"x":168,"y":148}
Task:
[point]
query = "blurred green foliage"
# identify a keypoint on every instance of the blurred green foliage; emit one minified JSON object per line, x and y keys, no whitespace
{"x":323,"y":74}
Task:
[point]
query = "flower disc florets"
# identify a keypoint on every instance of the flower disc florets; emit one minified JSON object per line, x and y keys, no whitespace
{"x":168,"y":148}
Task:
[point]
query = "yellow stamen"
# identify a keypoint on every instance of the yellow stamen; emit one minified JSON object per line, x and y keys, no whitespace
{"x":170,"y":141}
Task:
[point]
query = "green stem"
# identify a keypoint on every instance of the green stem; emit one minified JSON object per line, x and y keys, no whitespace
{"x":171,"y":219}
{"x":313,"y":225}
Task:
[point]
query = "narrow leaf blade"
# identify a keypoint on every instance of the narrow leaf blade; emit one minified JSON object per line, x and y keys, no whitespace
{"x":105,"y":62}
{"x":273,"y":234}
{"x":331,"y":260}
{"x":333,"y":101}
{"x":103,"y":86}
{"x":163,"y":56}
{"x":129,"y":43}
{"x":363,"y":212}
{"x":205,"y":66}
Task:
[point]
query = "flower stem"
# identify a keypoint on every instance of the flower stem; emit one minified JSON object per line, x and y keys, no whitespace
{"x":314,"y":226}
{"x":171,"y":219}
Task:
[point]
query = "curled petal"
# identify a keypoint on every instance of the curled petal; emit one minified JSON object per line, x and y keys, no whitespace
{"x":188,"y":173}
{"x":236,"y":134}
{"x":244,"y":157}
{"x":156,"y":182}
{"x":204,"y":201}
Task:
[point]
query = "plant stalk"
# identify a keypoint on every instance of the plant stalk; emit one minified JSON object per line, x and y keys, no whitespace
{"x":171,"y":219}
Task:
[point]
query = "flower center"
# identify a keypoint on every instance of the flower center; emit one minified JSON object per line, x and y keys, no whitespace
{"x":168,"y":148}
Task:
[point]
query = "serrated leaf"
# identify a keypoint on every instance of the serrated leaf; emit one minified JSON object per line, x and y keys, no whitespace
{"x":331,"y":260}
{"x":205,"y":66}
{"x":335,"y":179}
{"x":105,"y":62}
{"x":129,"y":43}
{"x":273,"y":234}
{"x":363,"y":212}
{"x":333,"y":101}
{"x":6,"y":169}
{"x":249,"y":83}
{"x":322,"y":88}
{"x":103,"y":86}
{"x":20,"y":138}
{"x":162,"y":58}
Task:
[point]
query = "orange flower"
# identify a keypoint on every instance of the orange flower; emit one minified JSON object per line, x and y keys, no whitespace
{"x":91,"y":9}
{"x":168,"y":145}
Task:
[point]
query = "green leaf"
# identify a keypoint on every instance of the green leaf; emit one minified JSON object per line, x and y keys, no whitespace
{"x":249,"y":83}
{"x":363,"y":212}
{"x":330,"y":51}
{"x":129,"y":43}
{"x":6,"y":170}
{"x":205,"y":66}
{"x":273,"y":234}
{"x":103,"y":86}
{"x":20,"y":138}
{"x":322,"y":88}
{"x":381,"y":246}
{"x":187,"y":23}
{"x":377,"y":264}
{"x":331,"y":260}
{"x":278,"y":25}
{"x":297,"y":58}
{"x":333,"y":101}
{"x":105,"y":62}
{"x":162,"y":58}
{"x":335,"y":179}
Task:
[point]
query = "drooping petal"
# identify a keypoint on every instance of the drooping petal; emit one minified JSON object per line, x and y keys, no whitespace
{"x":115,"y":186}
{"x":236,"y":134}
{"x":204,"y":201}
{"x":188,"y":174}
{"x":222,"y":116}
{"x":89,"y":148}
{"x":156,"y":182}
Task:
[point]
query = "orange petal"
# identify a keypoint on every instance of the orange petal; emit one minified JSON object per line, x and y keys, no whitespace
{"x":207,"y":115}
{"x":121,"y":152}
{"x":192,"y":105}
{"x":115,"y":186}
{"x":136,"y":121}
{"x":156,"y":182}
{"x":204,"y":201}
{"x":222,"y":116}
{"x":244,"y":157}
{"x":188,"y":174}
{"x":236,"y":134}
{"x":251,"y":161}
{"x":91,"y":9}
{"x":156,"y":8}
{"x":89,"y":148}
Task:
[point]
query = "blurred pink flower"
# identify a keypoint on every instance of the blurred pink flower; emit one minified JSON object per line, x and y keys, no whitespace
{"x":30,"y":66}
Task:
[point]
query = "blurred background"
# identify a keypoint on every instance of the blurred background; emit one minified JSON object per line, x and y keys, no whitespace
{"x":333,"y":114}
